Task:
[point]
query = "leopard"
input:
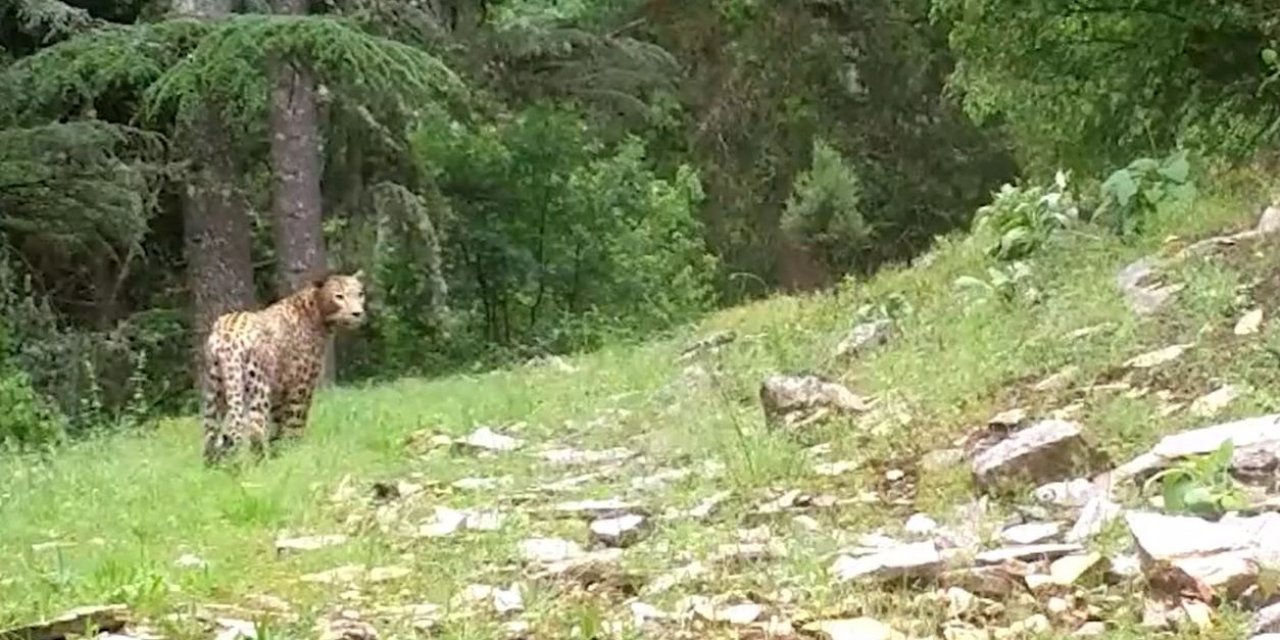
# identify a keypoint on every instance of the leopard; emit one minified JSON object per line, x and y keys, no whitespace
{"x":260,"y":367}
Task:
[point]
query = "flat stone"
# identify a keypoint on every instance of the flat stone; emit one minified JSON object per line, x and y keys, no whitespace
{"x":622,"y":531}
{"x":853,"y":629}
{"x":1249,"y":323}
{"x":1215,"y":401}
{"x":792,"y":400}
{"x":109,"y":618}
{"x":1158,"y":357}
{"x":487,"y":439}
{"x":864,"y":337}
{"x":1040,"y":453}
{"x":1031,"y":533}
{"x":1067,"y":570}
{"x":920,"y":558}
{"x":1023,"y":552}
{"x":574,"y":457}
{"x":1096,"y":514}
{"x":596,"y":509}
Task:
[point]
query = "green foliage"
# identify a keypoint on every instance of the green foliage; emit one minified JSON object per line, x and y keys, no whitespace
{"x":228,"y":69}
{"x":1006,"y":283}
{"x":1131,"y":195}
{"x":82,"y":186}
{"x":1201,"y":485}
{"x":558,"y":241}
{"x":1090,"y":86}
{"x":101,"y":72}
{"x":823,"y":214}
{"x":1023,"y":219}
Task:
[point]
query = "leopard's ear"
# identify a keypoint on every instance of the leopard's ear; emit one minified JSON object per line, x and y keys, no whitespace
{"x":358,"y":274}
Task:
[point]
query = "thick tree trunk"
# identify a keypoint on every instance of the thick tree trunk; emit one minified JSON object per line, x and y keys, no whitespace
{"x":295,"y":162}
{"x":217,"y":233}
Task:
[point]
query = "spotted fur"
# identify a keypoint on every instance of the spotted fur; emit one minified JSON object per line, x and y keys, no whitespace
{"x":260,"y":367}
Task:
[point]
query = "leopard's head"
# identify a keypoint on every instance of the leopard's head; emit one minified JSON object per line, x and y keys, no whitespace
{"x":341,"y":299}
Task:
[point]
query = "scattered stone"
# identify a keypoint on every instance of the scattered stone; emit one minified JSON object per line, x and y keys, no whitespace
{"x":920,"y":558}
{"x":959,"y":602}
{"x":709,"y":343}
{"x":1141,"y":297}
{"x":941,"y":459}
{"x":1067,"y":570}
{"x":808,"y":523}
{"x":190,"y":561}
{"x":487,"y":439}
{"x":864,"y":337}
{"x":1214,"y":401}
{"x":105,"y":618}
{"x":1266,"y":620}
{"x":1008,"y":420}
{"x":737,"y":614}
{"x":708,"y":506}
{"x":1031,"y":532}
{"x":834,"y":468}
{"x":595,"y":509}
{"x":1249,"y":323}
{"x":795,"y":400}
{"x":853,"y":629}
{"x":920,"y":524}
{"x":1058,"y":381}
{"x":1045,"y":451}
{"x":548,"y":550}
{"x":1024,"y":552}
{"x":622,"y":531}
{"x":233,"y":628}
{"x":424,"y":617}
{"x":574,"y":457}
{"x":340,"y":575}
{"x":1097,"y":513}
{"x":387,"y":574}
{"x":680,"y":575}
{"x":507,"y":601}
{"x":446,"y":522}
{"x":346,"y":625}
{"x":479,"y":484}
{"x":1158,"y":357}
{"x":1249,"y":437}
{"x":1223,"y":556}
{"x":308,"y":543}
{"x":1091,"y":629}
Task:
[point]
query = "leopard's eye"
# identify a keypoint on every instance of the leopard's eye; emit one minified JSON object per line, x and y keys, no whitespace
{"x":339,"y":297}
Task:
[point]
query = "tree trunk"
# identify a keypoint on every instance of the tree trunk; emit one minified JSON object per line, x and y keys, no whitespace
{"x":217,"y":234}
{"x":295,"y":163}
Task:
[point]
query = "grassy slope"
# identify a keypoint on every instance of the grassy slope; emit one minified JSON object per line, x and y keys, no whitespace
{"x":133,"y":504}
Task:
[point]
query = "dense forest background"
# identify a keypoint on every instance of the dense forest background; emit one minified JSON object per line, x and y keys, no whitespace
{"x":526,"y":177}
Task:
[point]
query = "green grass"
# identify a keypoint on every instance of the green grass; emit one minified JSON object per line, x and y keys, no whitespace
{"x":125,"y":508}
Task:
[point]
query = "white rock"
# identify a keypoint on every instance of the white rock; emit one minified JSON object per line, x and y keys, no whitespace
{"x":1094,"y":517}
{"x":490,"y":440}
{"x":853,"y":629}
{"x":834,"y":468}
{"x":1068,"y":569}
{"x":920,"y":524}
{"x":907,"y":559}
{"x":508,"y":600}
{"x":309,"y":543}
{"x":622,"y":531}
{"x":1031,"y":532}
{"x":863,"y":337}
{"x":1069,"y":493}
{"x":608,"y":508}
{"x":1214,"y":401}
{"x":190,"y":561}
{"x":1042,"y":452}
{"x":447,"y":521}
{"x":573,"y":457}
{"x":1158,"y":357}
{"x":546,"y":550}
{"x":1249,"y":323}
{"x":1022,"y":552}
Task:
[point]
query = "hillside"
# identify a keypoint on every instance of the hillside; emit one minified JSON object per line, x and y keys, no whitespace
{"x":738,"y":511}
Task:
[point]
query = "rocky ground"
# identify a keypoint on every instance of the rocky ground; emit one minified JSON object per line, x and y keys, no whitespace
{"x":1025,"y":523}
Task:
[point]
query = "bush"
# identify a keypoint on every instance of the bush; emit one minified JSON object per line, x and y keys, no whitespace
{"x":1131,"y":195}
{"x":1024,"y":218}
{"x":824,"y":215}
{"x":550,"y":240}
